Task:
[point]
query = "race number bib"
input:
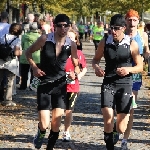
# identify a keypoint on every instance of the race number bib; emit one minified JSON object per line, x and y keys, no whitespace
{"x":69,"y":81}
{"x":98,"y":33}
{"x":137,"y":77}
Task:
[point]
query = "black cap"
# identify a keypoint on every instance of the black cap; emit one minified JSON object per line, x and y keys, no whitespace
{"x":118,"y":20}
{"x":62,"y":18}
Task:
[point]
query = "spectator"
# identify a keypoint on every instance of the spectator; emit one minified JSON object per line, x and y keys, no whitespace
{"x":30,"y":18}
{"x":36,"y":19}
{"x":81,"y":28}
{"x":45,"y":27}
{"x":10,"y":68}
{"x":4,"y":29}
{"x":27,"y":40}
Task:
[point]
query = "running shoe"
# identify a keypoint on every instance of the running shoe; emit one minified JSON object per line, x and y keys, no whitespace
{"x":38,"y":139}
{"x":66,"y":137}
{"x":115,"y":134}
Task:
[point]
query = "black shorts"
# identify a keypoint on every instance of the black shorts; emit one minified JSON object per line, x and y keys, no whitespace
{"x":52,"y":95}
{"x":117,"y":96}
{"x":81,"y":35}
{"x":70,"y":100}
{"x":96,"y":42}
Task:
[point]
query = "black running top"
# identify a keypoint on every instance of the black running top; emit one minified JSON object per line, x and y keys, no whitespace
{"x":54,"y":66}
{"x":117,"y":55}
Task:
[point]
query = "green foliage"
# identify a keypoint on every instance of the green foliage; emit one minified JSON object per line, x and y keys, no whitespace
{"x":85,"y":7}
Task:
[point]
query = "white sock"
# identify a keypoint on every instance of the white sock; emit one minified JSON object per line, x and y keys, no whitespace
{"x":124,"y":141}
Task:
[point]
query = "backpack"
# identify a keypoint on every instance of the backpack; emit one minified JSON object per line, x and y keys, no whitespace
{"x":6,"y":50}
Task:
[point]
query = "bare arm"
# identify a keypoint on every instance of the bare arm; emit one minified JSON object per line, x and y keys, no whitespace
{"x":49,"y":30}
{"x":136,"y":58}
{"x":82,"y":73}
{"x":99,"y":54}
{"x":97,"y":58}
{"x":146,"y":46}
{"x":74,"y":57}
{"x":123,"y":71}
{"x":34,"y":47}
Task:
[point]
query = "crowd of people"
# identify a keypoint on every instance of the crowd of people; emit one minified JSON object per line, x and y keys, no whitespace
{"x":52,"y":53}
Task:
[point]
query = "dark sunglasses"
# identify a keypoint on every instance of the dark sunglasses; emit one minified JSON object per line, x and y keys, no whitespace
{"x":62,"y":25}
{"x":115,"y":28}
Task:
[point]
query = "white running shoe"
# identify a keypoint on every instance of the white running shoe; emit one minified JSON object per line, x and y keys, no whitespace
{"x":66,"y":137}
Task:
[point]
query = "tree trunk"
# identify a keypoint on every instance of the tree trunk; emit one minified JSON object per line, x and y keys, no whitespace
{"x":10,"y":15}
{"x":9,"y":10}
{"x":14,"y":13}
{"x":18,"y":15}
{"x":26,"y":10}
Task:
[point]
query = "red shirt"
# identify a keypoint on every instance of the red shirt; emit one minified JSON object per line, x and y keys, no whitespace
{"x":73,"y":85}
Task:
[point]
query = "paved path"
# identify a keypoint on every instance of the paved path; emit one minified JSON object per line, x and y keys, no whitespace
{"x":19,"y":125}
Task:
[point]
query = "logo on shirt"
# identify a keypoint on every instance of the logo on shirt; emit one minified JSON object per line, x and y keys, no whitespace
{"x":67,"y":47}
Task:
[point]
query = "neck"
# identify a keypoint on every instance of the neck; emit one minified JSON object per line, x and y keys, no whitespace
{"x":59,"y":38}
{"x":131,"y":32}
{"x":4,"y":21}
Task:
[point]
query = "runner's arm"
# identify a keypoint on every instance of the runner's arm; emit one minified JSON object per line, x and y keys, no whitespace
{"x":74,"y":57}
{"x":83,"y":67}
{"x":99,"y":54}
{"x":136,"y":58}
{"x":34,"y":47}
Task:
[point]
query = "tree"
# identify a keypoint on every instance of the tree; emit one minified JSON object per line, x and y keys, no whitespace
{"x":84,"y":7}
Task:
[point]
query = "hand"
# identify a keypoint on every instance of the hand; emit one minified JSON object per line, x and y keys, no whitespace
{"x":71,"y":75}
{"x":99,"y":72}
{"x":123,"y":71}
{"x":79,"y":77}
{"x":38,"y":72}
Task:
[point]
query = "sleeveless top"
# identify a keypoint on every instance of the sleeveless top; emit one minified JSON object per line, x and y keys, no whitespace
{"x":138,"y":38}
{"x":139,"y":41}
{"x":116,"y":56}
{"x":54,"y":66}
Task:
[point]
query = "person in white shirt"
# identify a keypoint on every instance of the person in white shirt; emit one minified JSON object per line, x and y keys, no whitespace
{"x":10,"y":67}
{"x":45,"y":28}
{"x":4,"y":26}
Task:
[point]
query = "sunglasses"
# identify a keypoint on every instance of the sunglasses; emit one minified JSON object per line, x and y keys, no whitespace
{"x":62,"y":25}
{"x":115,"y":28}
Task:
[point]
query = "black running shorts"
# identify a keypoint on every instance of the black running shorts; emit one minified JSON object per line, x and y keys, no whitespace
{"x":117,"y":96}
{"x":51,"y":95}
{"x":70,"y":100}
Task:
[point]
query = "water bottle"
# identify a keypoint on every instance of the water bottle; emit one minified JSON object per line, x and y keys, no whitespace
{"x":35,"y":83}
